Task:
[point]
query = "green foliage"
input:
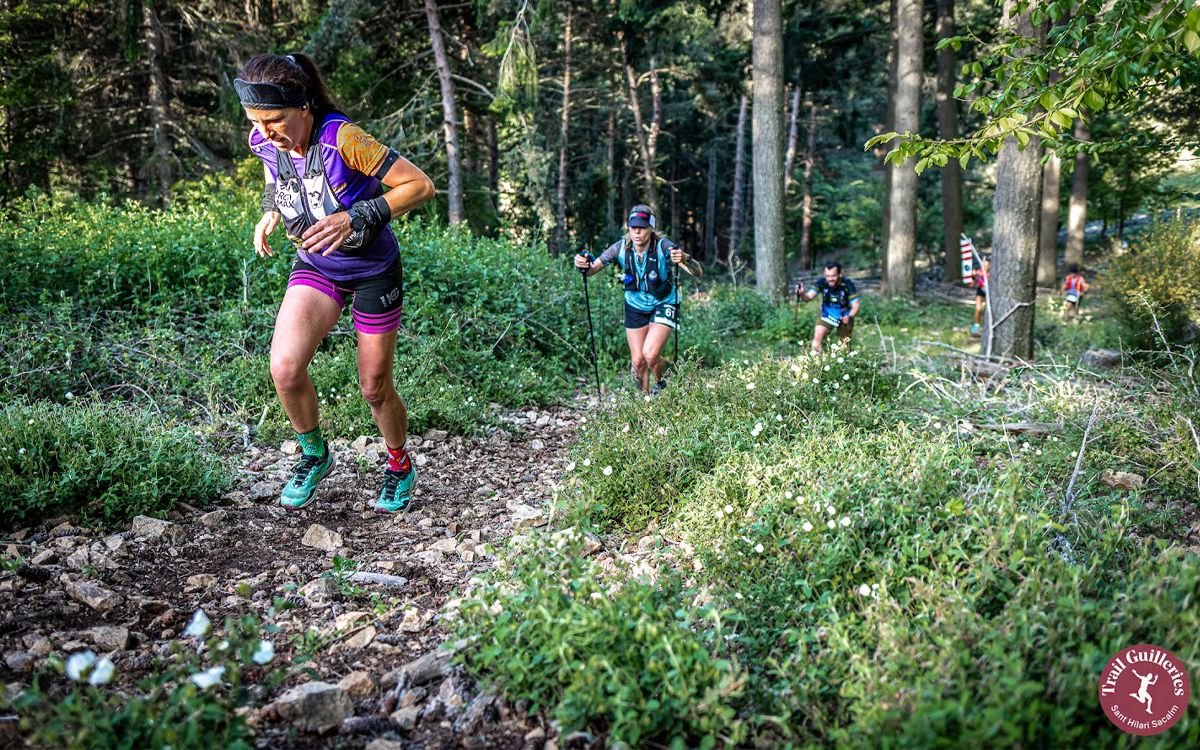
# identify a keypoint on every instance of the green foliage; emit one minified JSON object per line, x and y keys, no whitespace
{"x":1106,"y":55}
{"x":1157,"y":282}
{"x":888,"y":581}
{"x":629,"y":659}
{"x":104,"y":463}
{"x":639,"y":459}
{"x":192,"y":699}
{"x":172,"y":308}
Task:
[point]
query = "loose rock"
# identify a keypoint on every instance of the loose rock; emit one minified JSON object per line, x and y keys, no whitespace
{"x":315,"y":706}
{"x":145,"y":527}
{"x":1122,"y":480}
{"x":96,"y":597}
{"x":109,"y":637}
{"x":322,"y":538}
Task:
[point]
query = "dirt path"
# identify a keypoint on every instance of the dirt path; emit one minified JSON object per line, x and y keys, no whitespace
{"x":237,"y":558}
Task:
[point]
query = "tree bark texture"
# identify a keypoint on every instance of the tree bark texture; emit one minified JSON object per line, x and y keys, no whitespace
{"x":710,"y":205}
{"x":560,"y":229}
{"x":1077,"y":207}
{"x":1017,"y":207}
{"x":449,"y":115}
{"x":810,"y":158}
{"x":643,"y":141}
{"x":1047,"y":265}
{"x":793,"y":142}
{"x":739,"y":181}
{"x":888,"y":127}
{"x":947,"y":106}
{"x":610,"y":165}
{"x":770,"y":267}
{"x":902,"y":229}
{"x":161,"y":163}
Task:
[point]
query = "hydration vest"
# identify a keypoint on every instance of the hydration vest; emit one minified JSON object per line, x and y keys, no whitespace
{"x":657,"y":281}
{"x":1074,"y":282}
{"x":309,"y":198}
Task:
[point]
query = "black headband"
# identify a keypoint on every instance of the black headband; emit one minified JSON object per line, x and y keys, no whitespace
{"x":268,"y":95}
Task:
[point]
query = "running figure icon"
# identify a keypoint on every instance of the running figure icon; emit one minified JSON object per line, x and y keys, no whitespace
{"x":1143,"y":695}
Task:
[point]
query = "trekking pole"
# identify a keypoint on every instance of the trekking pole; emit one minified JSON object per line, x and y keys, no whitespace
{"x":796,"y":308}
{"x":678,"y":309}
{"x":587,"y":301}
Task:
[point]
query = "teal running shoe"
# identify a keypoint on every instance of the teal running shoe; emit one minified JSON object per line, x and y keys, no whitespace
{"x":975,"y":330}
{"x":396,"y":494}
{"x":301,"y":488}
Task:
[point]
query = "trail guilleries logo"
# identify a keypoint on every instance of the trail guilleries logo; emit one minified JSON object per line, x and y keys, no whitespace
{"x":1144,"y":689}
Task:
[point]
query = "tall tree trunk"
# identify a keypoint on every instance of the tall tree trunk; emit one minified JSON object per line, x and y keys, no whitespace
{"x":770,"y":266}
{"x":674,"y":226}
{"x":1012,"y":283}
{"x":902,"y":231}
{"x":1077,"y":208}
{"x":449,"y":114}
{"x":642,"y":141}
{"x":1047,"y":265}
{"x":710,"y":205}
{"x":739,"y":181}
{"x":560,"y":229}
{"x":655,"y":113}
{"x":161,"y":158}
{"x":793,"y":142}
{"x":493,"y":147}
{"x":610,"y":189}
{"x":810,"y":157}
{"x":888,"y":127}
{"x":952,"y":199}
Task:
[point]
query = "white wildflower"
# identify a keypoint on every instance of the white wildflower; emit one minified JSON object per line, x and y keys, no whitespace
{"x":807,"y":526}
{"x":264,"y":653}
{"x":864,"y":590}
{"x":758,"y":548}
{"x":79,"y":662}
{"x":729,"y":509}
{"x":830,"y":509}
{"x":831,"y":524}
{"x":788,"y":494}
{"x":825,"y":368}
{"x":749,"y":386}
{"x":208,"y":677}
{"x":845,"y":521}
{"x":587,"y":462}
{"x":103,"y":672}
{"x":68,"y":395}
{"x":625,"y":428}
{"x":845,"y":377}
{"x":199,"y":626}
{"x":607,"y":471}
{"x":571,"y":466}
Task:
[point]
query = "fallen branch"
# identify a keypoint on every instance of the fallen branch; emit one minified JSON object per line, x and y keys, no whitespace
{"x":380,"y":579}
{"x":1069,"y":496}
{"x":1033,"y":428}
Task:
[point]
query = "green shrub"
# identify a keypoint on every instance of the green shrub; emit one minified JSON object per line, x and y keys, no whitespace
{"x":1157,"y":282}
{"x":104,"y":463}
{"x":639,"y":459}
{"x":176,"y":706}
{"x":630,"y":659}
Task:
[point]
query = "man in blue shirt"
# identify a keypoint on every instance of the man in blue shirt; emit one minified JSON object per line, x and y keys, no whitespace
{"x":840,"y":303}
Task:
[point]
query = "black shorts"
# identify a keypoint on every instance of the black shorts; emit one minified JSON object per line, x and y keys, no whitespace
{"x":980,"y":293}
{"x":665,"y":314}
{"x":378,"y":301}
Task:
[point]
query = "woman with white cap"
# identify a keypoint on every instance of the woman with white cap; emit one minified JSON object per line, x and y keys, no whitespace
{"x":651,"y":297}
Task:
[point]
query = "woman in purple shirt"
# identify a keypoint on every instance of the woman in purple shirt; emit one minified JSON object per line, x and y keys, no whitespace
{"x":335,"y":189}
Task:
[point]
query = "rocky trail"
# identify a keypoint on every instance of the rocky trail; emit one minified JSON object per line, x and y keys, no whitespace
{"x":372,"y":586}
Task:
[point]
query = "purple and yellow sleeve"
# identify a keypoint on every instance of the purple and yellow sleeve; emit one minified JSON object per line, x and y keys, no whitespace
{"x":361,"y":152}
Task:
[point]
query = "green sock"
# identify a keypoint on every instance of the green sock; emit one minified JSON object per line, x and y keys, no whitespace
{"x":311,"y":442}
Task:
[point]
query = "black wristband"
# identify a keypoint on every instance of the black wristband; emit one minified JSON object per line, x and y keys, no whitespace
{"x":374,"y":212}
{"x":268,"y":199}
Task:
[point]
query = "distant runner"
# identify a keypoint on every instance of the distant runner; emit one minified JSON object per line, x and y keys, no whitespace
{"x":840,"y":303}
{"x":334,"y":188}
{"x":651,"y":299}
{"x":980,"y":283}
{"x":1073,"y":288}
